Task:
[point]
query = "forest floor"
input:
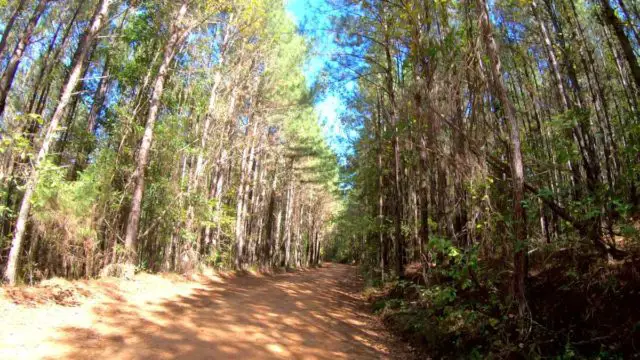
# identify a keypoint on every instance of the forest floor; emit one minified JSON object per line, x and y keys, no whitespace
{"x":309,"y":314}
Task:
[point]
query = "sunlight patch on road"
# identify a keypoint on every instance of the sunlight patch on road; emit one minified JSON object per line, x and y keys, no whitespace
{"x":278,"y":350}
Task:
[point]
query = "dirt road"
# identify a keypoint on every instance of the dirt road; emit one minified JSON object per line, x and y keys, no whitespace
{"x":314,"y":314}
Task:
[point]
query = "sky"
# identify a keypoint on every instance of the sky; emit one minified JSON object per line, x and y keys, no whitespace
{"x":311,"y":16}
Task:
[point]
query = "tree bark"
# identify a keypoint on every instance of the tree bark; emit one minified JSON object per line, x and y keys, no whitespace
{"x":47,"y":65}
{"x":241,"y":198}
{"x":381,"y":232}
{"x":287,"y":224}
{"x":9,"y":26}
{"x":393,"y":117}
{"x":517,"y":168}
{"x":72,"y":80}
{"x":12,"y":66}
{"x":615,"y":24}
{"x":133,"y":223}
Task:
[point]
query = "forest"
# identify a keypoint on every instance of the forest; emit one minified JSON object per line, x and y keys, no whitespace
{"x":494,"y":181}
{"x":490,"y":197}
{"x":158,"y":134}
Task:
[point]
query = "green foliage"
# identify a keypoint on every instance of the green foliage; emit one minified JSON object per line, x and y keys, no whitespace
{"x":64,"y":215}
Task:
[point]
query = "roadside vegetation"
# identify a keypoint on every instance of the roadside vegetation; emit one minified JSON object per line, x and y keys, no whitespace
{"x":492,"y":196}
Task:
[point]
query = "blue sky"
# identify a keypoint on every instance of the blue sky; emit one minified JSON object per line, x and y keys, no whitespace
{"x":311,"y":15}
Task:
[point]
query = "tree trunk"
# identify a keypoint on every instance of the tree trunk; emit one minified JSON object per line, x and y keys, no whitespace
{"x":381,"y":232}
{"x":275,"y":252}
{"x":177,"y":34}
{"x":317,"y":249}
{"x":552,"y":57}
{"x":517,"y":168}
{"x":287,"y":225}
{"x":218,"y":198}
{"x":47,"y":67}
{"x":241,"y":199}
{"x":393,"y":116}
{"x":270,"y":214}
{"x":45,"y":60}
{"x":72,"y":80}
{"x":9,"y":26}
{"x":615,"y":24}
{"x":12,"y":66}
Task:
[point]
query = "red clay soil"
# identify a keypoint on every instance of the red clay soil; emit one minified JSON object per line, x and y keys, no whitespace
{"x":314,"y":314}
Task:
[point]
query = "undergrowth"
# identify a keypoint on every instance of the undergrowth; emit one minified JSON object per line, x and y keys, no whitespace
{"x":580,"y":307}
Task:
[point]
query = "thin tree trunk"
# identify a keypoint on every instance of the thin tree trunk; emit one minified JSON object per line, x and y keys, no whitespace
{"x":393,"y":115}
{"x":9,"y":26}
{"x":133,"y":223}
{"x":74,"y":76}
{"x":275,"y":252}
{"x":240,"y":197}
{"x":552,"y":57}
{"x":270,"y":235}
{"x":45,"y":60}
{"x":92,"y":121}
{"x":47,"y":67}
{"x":98,"y":102}
{"x":381,"y":232}
{"x":629,"y":19}
{"x":218,"y":198}
{"x":317,"y":249}
{"x":12,"y":66}
{"x":615,"y":24}
{"x":517,"y":168}
{"x":287,"y":225}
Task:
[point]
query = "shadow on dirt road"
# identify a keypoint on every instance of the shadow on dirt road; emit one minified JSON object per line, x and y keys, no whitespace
{"x":313,"y":314}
